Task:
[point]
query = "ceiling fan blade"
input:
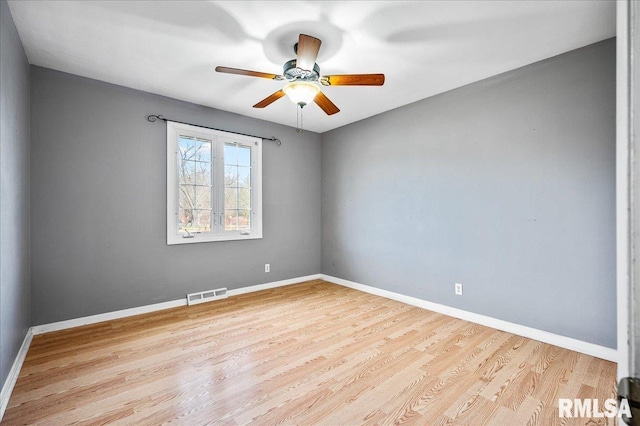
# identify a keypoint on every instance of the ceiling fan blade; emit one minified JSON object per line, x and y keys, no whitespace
{"x":353,"y":80}
{"x":308,"y":48}
{"x":269,"y":99}
{"x":327,"y":106}
{"x":247,"y":73}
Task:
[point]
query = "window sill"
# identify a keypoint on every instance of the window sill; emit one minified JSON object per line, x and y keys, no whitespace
{"x":203,"y":238}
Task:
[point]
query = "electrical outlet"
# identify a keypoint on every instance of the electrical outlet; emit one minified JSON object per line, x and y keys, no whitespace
{"x":267,"y":267}
{"x":458,"y":289}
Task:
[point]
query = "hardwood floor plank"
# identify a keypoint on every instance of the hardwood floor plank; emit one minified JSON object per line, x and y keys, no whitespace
{"x":310,"y":353}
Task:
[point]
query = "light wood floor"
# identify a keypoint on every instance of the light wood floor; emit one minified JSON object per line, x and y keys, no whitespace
{"x":312,"y":353}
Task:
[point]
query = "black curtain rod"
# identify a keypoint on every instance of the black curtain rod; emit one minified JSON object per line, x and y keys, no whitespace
{"x":153,"y":118}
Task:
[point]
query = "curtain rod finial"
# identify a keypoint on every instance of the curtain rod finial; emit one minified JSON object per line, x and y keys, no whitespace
{"x":152,"y":118}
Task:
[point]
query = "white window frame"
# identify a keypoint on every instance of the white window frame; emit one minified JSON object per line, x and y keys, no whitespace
{"x":218,"y":139}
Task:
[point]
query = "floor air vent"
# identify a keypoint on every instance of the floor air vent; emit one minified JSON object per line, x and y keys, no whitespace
{"x":206,"y":296}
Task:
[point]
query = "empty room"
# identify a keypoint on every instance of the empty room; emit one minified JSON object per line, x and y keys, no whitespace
{"x":319,"y":213}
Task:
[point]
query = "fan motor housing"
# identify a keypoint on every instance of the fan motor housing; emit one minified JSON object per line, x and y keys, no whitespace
{"x":292,"y":73}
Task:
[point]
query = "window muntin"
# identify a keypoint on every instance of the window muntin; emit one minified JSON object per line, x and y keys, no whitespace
{"x":213,"y":185}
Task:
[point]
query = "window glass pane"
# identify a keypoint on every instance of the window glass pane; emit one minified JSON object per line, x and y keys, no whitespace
{"x":203,"y":173}
{"x":186,"y":171}
{"x":244,"y":156}
{"x":187,"y":197}
{"x":230,"y":154}
{"x":187,"y":147}
{"x":186,"y":219}
{"x":203,"y":197}
{"x":203,"y":150}
{"x":244,"y":177}
{"x":230,"y":176}
{"x":202,"y":221}
{"x":230,"y":198}
{"x":244,"y":219}
{"x":230,"y":220}
{"x":244,"y":198}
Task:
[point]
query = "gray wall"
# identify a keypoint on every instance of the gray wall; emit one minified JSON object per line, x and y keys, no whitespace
{"x":506,"y":186}
{"x":14,"y":192}
{"x":98,"y":198}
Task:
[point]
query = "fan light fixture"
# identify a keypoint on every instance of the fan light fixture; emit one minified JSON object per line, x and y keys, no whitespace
{"x":301,"y":92}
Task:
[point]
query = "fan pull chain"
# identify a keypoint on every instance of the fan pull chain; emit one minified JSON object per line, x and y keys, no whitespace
{"x":299,"y":128}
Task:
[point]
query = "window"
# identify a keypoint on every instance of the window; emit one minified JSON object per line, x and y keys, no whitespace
{"x":214,"y":185}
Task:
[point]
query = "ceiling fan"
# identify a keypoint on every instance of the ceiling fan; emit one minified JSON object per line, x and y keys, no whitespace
{"x":302,"y":75}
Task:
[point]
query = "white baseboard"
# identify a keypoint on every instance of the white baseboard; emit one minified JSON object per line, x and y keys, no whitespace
{"x":274,"y":284}
{"x":521,"y":330}
{"x":543,"y":336}
{"x":107,"y":316}
{"x":7,"y":388}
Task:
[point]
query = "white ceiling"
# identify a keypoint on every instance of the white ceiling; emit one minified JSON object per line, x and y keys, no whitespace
{"x":423,"y":47}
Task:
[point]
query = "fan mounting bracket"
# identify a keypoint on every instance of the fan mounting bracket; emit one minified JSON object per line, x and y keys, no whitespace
{"x":291,"y":72}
